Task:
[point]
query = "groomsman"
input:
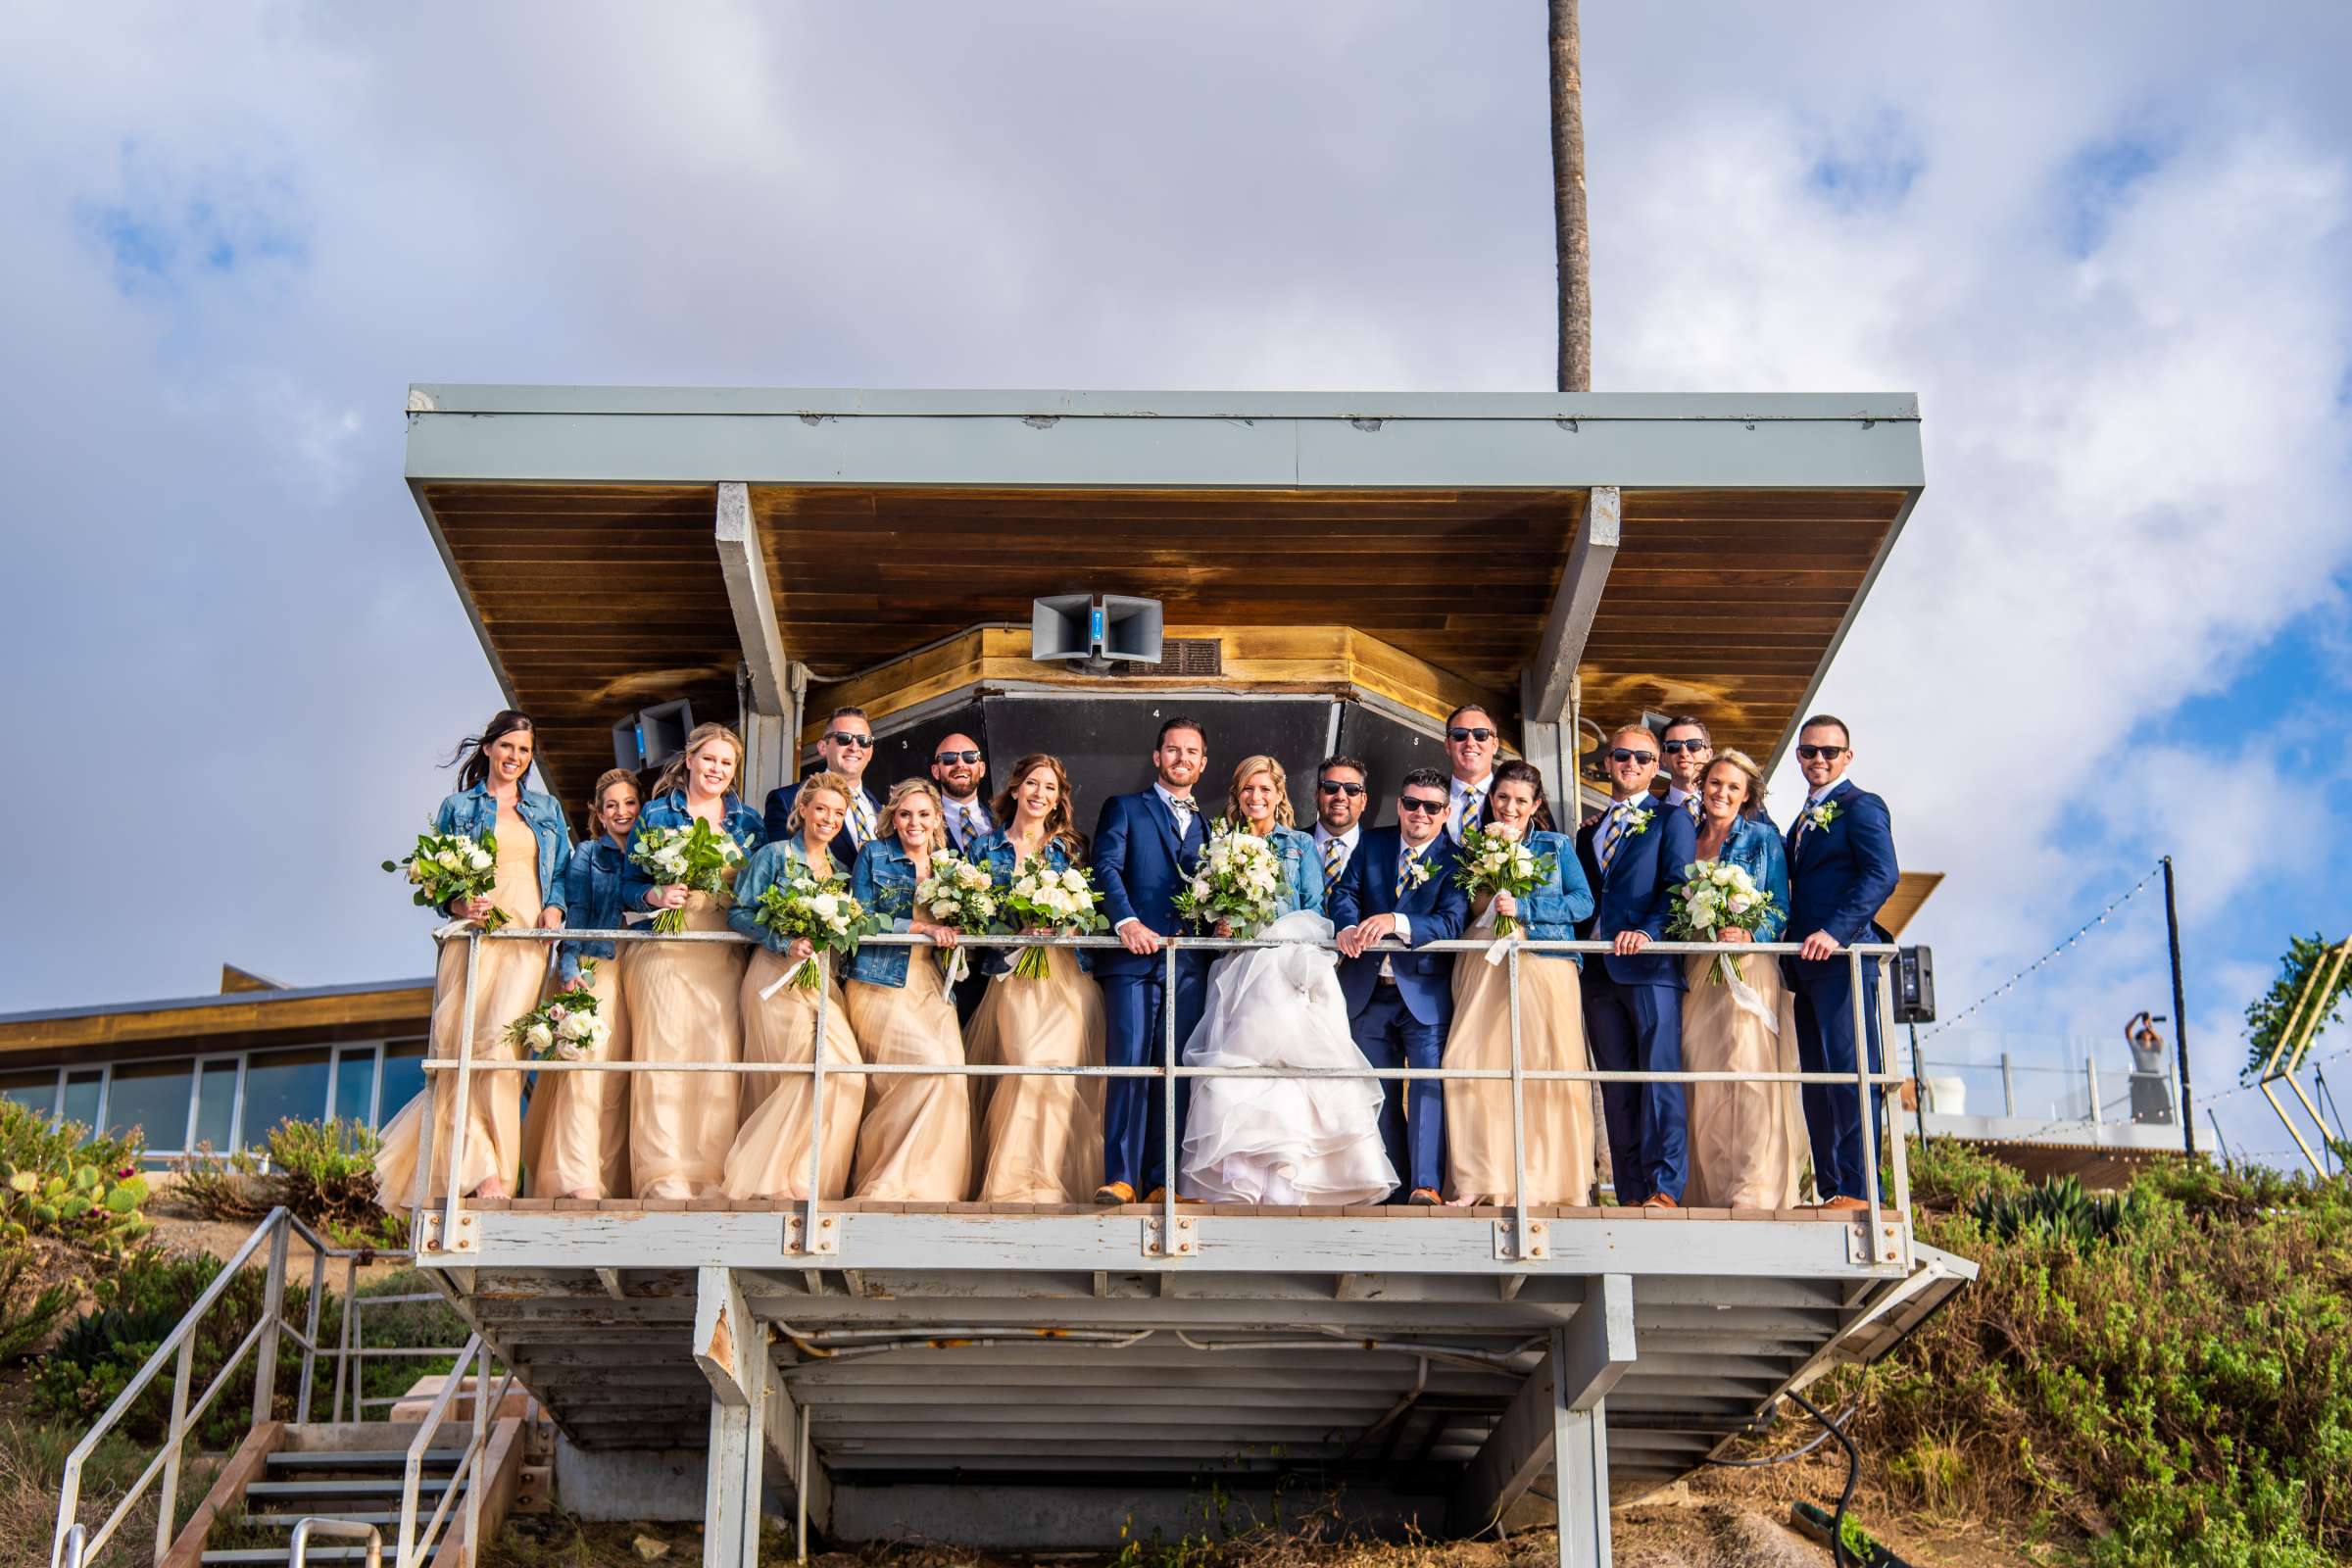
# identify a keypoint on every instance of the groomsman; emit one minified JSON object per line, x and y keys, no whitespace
{"x":1635,"y":853}
{"x":958,"y":769}
{"x":1400,"y":883}
{"x":846,"y":746}
{"x":1841,"y":868}
{"x":1340,"y":799}
{"x":1471,"y":739}
{"x":1147,"y":846}
{"x":1687,"y":749}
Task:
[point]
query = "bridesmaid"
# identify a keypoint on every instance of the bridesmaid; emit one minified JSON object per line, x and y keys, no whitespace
{"x":1043,"y":1137}
{"x":534,"y":842}
{"x":682,"y":994}
{"x":1260,"y":800}
{"x":577,"y":1135}
{"x":771,"y":1157}
{"x":1747,"y":1140}
{"x":916,"y":1142}
{"x":1558,"y":1115}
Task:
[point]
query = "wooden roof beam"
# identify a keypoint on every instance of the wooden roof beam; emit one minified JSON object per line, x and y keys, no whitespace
{"x":1553,"y":677}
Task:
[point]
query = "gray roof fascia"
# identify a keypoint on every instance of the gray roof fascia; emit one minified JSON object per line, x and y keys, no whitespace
{"x":215,"y":1000}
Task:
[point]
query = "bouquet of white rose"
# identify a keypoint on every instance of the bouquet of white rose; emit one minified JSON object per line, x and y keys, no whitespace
{"x":447,"y":866}
{"x":1065,"y":903}
{"x":695,"y":856}
{"x":819,"y":909}
{"x":1239,"y":882}
{"x":566,"y":1026}
{"x":1715,"y":896}
{"x":958,"y":893}
{"x":1496,"y":863}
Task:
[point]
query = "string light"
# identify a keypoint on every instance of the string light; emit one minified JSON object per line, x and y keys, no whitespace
{"x":2011,"y":984}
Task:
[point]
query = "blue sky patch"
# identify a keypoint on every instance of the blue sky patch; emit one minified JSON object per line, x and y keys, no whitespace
{"x":1869,"y":169}
{"x":2096,"y":181}
{"x":164,"y":228}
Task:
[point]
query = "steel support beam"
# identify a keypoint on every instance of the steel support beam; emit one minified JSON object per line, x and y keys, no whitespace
{"x":768,"y":712}
{"x":1551,"y":678}
{"x":730,"y":1345}
{"x":1555,"y":1423}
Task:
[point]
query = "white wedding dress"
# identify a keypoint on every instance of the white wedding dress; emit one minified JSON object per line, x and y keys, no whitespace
{"x":1281,"y":1140}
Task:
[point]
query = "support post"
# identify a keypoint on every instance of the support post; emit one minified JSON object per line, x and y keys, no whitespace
{"x":788,"y":1421}
{"x":1574,"y":602}
{"x":274,"y":1314}
{"x":1556,"y":1422}
{"x":730,"y":1345}
{"x":767,"y":716}
{"x":2171,"y":937}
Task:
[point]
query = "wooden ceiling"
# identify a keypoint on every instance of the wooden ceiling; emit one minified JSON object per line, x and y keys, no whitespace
{"x":598,"y":597}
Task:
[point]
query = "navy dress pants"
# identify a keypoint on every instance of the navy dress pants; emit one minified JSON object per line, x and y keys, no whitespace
{"x":1390,"y":1035}
{"x":1639,"y":1028}
{"x":1135,"y":1147}
{"x":1825,"y":1043}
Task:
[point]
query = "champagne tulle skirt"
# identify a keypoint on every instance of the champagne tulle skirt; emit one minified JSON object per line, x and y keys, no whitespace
{"x":1558,"y":1121}
{"x":916,"y":1143}
{"x":1747,"y":1140}
{"x":771,"y":1157}
{"x":684,"y":1007}
{"x":575,"y":1135}
{"x":1042,"y":1136}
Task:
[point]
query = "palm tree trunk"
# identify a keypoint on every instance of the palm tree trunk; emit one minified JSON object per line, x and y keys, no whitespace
{"x":1572,"y":243}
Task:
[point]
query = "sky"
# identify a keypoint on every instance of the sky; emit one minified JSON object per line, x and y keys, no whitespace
{"x":2109,"y":247}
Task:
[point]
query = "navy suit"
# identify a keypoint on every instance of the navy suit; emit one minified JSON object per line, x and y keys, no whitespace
{"x":1839,"y":876}
{"x":1140,"y":865}
{"x":844,"y":848}
{"x":1634,"y":1007}
{"x":1404,"y":1025}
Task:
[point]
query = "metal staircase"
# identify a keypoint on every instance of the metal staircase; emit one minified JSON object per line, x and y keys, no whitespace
{"x":358,"y":1486}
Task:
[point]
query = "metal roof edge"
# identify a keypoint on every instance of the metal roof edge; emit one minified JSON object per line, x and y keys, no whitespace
{"x":219,"y":998}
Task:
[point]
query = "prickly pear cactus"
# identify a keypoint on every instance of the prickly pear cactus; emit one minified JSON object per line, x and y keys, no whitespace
{"x":87,"y":1203}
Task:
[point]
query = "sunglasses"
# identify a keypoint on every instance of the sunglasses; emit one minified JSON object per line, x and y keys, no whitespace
{"x":1621,"y":754}
{"x":842,"y":737}
{"x":1482,"y":736}
{"x":1425,"y":807}
{"x":1820,"y":754}
{"x":943,"y":758}
{"x":1672,"y":747}
{"x":1325,"y":786}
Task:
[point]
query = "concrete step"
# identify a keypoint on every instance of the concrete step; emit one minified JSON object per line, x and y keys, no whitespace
{"x":386,"y":1486}
{"x":359,"y":1458}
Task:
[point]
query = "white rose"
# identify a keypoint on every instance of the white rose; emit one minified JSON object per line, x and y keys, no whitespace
{"x":824,"y":907}
{"x":447,"y":859}
{"x":1074,"y":879}
{"x":577,"y":1026}
{"x":1740,"y":904}
{"x":539,"y":1037}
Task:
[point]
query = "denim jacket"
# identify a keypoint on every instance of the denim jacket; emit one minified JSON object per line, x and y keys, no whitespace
{"x":996,"y":852}
{"x":884,"y":882}
{"x":669,"y":811}
{"x":1301,"y":869}
{"x":591,"y":902}
{"x":773,"y":862}
{"x":1754,"y":846}
{"x":1550,"y":913}
{"x":475,"y":812}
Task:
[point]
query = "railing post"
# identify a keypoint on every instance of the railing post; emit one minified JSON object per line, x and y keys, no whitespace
{"x":1521,"y":1247}
{"x":1170,"y":1154}
{"x":2008,"y":1088}
{"x":461,"y":1109}
{"x":2091,"y":1064}
{"x":472,"y":1472}
{"x":309,"y":1330}
{"x":1864,"y":1091}
{"x":1896,"y":1150}
{"x":345,"y":1338}
{"x":816,"y":1111}
{"x":167,"y":1506}
{"x":273,"y":1312}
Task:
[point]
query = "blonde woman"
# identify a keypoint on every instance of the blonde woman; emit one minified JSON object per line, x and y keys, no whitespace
{"x":533,"y":846}
{"x":916,"y":1140}
{"x":771,"y":1157}
{"x":1042,"y":1136}
{"x":576,"y":1137}
{"x":682,"y":995}
{"x":1260,"y":800}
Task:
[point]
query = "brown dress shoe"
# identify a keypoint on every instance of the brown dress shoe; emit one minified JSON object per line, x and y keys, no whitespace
{"x":1842,"y":1205}
{"x":1114,"y":1192}
{"x":1426,"y":1197}
{"x":1155,"y":1195}
{"x":1660,"y":1200}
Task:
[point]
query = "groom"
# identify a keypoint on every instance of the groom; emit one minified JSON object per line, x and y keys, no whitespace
{"x":1146,"y":845}
{"x":1400,"y":883}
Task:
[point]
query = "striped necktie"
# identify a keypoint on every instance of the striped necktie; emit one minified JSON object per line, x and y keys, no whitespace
{"x":967,"y":825}
{"x":1335,"y":856}
{"x":1691,"y":806}
{"x":861,"y":819}
{"x":1612,"y":835}
{"x":1404,"y":870}
{"x":1465,"y":811}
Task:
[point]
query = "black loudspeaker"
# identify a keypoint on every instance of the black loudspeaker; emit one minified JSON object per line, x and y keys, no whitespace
{"x":651,"y":736}
{"x":1095,"y":628}
{"x":1914,"y":985}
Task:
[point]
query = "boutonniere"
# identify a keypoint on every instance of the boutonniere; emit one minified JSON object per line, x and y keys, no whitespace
{"x":1636,"y":821}
{"x":1418,"y":871}
{"x":1824,"y":814}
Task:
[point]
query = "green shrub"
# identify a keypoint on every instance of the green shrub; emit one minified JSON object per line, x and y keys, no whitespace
{"x":322,"y":1171}
{"x":1948,"y":1173}
{"x":29,"y":1310}
{"x":60,"y":1182}
{"x":2059,"y":1208}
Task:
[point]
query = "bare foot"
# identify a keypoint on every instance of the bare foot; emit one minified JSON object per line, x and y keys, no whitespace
{"x":493,"y":1189}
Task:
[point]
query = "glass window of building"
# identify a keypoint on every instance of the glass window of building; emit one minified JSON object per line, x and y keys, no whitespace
{"x":35,"y":1090}
{"x":282,"y":1086}
{"x":216,"y":1121}
{"x":83,"y":1093}
{"x":153,"y":1096}
{"x":355,"y":1083}
{"x":404,"y":1076}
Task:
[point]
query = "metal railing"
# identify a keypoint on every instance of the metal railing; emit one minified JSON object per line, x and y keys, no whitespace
{"x":410,"y":1548}
{"x":75,"y":1542}
{"x":298,"y":1549}
{"x":1866,"y":1083}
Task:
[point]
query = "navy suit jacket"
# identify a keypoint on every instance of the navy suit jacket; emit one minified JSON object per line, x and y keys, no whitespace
{"x":1637,"y":892}
{"x":844,"y":849}
{"x":1437,"y":910}
{"x":1840,"y":874}
{"x":1140,"y":866}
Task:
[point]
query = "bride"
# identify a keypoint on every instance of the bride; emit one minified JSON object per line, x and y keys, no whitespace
{"x":1287,"y":1140}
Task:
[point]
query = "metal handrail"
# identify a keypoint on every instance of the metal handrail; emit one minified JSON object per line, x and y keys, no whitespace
{"x":1864,"y":1082}
{"x":298,"y":1549}
{"x":411,"y":1549}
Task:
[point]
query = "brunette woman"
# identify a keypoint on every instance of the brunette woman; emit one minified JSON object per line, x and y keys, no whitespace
{"x":771,"y":1157}
{"x":1042,"y":1136}
{"x":532,"y":843}
{"x":917,"y":1139}
{"x":682,"y":995}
